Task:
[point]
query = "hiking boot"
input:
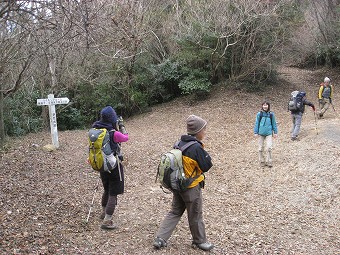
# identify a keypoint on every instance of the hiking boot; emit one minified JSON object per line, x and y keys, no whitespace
{"x":203,"y":246}
{"x":269,"y":164}
{"x":108,"y":224}
{"x":294,"y":138}
{"x":320,"y":116}
{"x":262,"y":163}
{"x":159,"y":243}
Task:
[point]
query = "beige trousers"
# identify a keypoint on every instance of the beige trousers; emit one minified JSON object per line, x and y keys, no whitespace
{"x":324,"y":104}
{"x":265,"y":147}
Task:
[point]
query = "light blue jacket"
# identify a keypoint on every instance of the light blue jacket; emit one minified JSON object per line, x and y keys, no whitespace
{"x":265,"y":125}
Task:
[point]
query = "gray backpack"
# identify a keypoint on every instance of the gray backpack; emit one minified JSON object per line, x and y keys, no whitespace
{"x":170,"y":172}
{"x":295,"y":103}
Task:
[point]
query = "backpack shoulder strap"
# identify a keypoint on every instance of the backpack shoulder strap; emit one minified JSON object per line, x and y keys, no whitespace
{"x":111,"y":133}
{"x":261,"y":115}
{"x":270,"y":115}
{"x":185,"y":146}
{"x":271,"y":118}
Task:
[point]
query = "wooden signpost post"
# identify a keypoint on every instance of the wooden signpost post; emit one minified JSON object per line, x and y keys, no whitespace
{"x":51,"y":102}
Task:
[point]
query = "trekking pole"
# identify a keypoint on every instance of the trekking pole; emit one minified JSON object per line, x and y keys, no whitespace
{"x":336,"y":112}
{"x":316,"y":125}
{"x":118,"y":162}
{"x":333,"y":107}
{"x":91,"y":205}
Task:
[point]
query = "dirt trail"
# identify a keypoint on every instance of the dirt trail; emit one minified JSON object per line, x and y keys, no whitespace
{"x":293,"y":208}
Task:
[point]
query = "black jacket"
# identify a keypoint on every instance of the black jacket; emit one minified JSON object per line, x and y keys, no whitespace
{"x":196,"y":152}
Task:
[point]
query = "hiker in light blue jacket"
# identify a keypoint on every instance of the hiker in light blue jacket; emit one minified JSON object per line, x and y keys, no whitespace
{"x":265,"y":128}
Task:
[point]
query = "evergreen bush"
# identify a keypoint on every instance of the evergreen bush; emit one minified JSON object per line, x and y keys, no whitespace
{"x":22,"y":116}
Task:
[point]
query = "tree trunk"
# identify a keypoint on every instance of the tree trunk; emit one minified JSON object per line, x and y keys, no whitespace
{"x":2,"y":126}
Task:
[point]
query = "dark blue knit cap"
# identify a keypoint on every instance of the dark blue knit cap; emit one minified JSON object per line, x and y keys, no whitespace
{"x":108,"y":115}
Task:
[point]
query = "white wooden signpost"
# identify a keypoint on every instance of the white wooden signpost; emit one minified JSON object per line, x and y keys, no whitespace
{"x":51,"y":102}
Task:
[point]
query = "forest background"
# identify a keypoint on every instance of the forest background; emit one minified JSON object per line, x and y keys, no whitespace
{"x":135,"y":54}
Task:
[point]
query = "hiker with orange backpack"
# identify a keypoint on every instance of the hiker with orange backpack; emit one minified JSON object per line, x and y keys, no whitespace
{"x":325,"y":96}
{"x":113,"y":181}
{"x":265,"y":128}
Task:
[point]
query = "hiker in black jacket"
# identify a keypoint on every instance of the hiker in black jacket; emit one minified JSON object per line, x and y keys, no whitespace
{"x":196,"y":161}
{"x":113,"y":183}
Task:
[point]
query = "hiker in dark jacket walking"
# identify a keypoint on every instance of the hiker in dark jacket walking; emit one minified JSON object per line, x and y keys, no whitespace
{"x":113,"y":182}
{"x":196,"y":161}
{"x":297,"y":115}
{"x":265,"y":127}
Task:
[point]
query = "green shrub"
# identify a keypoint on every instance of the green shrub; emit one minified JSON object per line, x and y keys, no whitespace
{"x":69,"y":118}
{"x":90,"y":99}
{"x":192,"y":85}
{"x":138,"y":101}
{"x":22,"y":115}
{"x":166,"y":77}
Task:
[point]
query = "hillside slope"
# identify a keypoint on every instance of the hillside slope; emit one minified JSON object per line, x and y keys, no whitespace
{"x":292,"y":208}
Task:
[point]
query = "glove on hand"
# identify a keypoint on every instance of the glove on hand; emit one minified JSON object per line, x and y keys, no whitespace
{"x":313,"y":107}
{"x":121,"y":125}
{"x":320,"y":100}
